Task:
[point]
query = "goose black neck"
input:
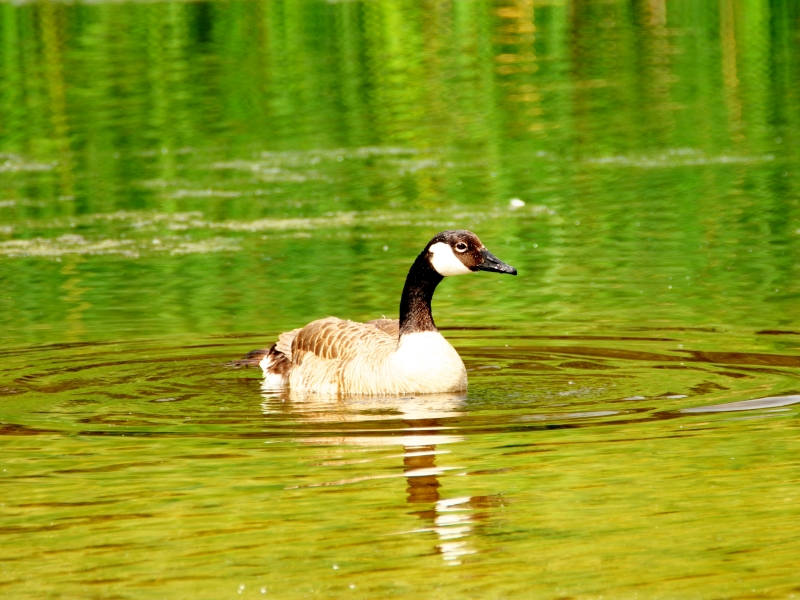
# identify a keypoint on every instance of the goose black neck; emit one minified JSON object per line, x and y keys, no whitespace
{"x":415,"y":304}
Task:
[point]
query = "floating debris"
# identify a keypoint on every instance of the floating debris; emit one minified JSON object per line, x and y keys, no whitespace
{"x":77,"y":244}
{"x":679,"y":157}
{"x":13,"y":163}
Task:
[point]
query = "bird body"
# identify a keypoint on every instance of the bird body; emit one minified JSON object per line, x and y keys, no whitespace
{"x":333,"y":356}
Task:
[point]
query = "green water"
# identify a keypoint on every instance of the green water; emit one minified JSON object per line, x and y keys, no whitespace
{"x":181,"y":182}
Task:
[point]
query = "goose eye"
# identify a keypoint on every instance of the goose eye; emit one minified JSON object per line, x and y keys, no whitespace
{"x":461,"y":246}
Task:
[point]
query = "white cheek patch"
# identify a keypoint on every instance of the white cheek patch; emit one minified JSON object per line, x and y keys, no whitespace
{"x":445,"y":261}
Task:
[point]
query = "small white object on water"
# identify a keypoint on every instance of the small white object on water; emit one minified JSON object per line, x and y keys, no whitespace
{"x":515,"y":203}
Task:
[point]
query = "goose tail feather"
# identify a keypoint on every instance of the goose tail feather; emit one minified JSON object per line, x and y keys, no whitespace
{"x":276,"y":366}
{"x":251,"y":359}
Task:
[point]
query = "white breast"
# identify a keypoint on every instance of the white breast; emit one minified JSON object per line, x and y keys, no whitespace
{"x":429,"y":363}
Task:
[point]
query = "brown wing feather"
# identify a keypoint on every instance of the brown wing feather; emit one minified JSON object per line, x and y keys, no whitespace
{"x":336,"y":338}
{"x":390,"y":326}
{"x":284,"y":343}
{"x":329,"y":338}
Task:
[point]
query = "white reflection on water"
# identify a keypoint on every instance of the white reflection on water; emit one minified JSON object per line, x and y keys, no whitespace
{"x":450,"y":519}
{"x":758,"y":403}
{"x":321,"y":407}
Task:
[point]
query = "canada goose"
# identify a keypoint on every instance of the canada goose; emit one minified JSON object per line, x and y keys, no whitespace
{"x":384,"y":356}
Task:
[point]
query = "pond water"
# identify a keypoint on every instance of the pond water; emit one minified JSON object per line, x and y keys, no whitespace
{"x":180,"y":182}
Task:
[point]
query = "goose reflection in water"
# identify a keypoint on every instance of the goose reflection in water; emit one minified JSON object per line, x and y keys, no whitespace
{"x":422,"y":435}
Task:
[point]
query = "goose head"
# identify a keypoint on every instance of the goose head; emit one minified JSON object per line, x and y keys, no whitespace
{"x":461,"y":252}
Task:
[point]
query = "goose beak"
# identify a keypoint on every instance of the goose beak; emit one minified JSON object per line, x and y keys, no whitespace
{"x":492,"y":263}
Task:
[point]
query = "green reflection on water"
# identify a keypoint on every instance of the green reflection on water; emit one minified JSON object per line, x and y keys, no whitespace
{"x":172,"y":174}
{"x":653,"y":148}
